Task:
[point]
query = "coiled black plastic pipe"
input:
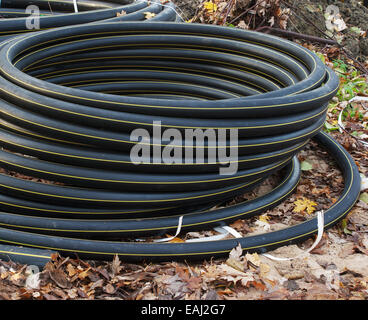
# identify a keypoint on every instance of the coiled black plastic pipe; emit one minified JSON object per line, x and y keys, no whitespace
{"x":71,"y":97}
{"x":53,"y":14}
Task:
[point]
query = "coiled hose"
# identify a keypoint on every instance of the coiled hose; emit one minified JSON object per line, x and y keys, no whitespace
{"x":71,"y":97}
{"x":14,"y":16}
{"x":18,"y":16}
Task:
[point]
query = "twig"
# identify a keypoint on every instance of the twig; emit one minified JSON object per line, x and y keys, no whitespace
{"x":221,"y":13}
{"x":296,"y":35}
{"x":48,"y":2}
{"x":262,"y":22}
{"x":295,"y":27}
{"x":244,"y":13}
{"x":232,"y":2}
{"x":228,"y":7}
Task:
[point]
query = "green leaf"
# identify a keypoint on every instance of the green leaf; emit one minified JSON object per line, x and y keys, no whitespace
{"x":310,"y":8}
{"x":355,"y":133}
{"x":329,"y":127}
{"x":357,"y":30}
{"x":344,"y":225}
{"x":364,"y":197}
{"x":306,"y":166}
{"x":321,"y":56}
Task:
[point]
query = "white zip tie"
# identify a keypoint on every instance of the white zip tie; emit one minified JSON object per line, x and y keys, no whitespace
{"x":232,"y":231}
{"x":224,"y":232}
{"x":166,"y":6}
{"x":320,"y":225}
{"x":178,"y":229}
{"x":339,"y":121}
{"x":356,"y":98}
{"x":75,"y":6}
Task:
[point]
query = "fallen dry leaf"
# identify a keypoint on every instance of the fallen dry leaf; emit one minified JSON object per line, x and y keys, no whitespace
{"x":109,"y":288}
{"x":121,"y":13}
{"x":149,"y":15}
{"x":304,"y":205}
{"x":253,"y":260}
{"x":71,"y":270}
{"x":116,"y":265}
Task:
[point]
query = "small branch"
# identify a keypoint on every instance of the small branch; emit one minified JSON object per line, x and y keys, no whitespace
{"x":293,"y":34}
{"x":231,"y":4}
{"x":244,"y":13}
{"x":221,"y":14}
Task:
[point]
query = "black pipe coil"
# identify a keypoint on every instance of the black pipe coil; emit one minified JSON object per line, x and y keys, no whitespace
{"x":54,"y":14}
{"x":71,"y":97}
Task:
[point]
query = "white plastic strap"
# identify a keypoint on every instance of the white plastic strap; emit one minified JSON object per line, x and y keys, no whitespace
{"x":356,"y":98}
{"x":320,"y":225}
{"x":181,"y":17}
{"x":178,"y":229}
{"x":224,"y":232}
{"x":166,"y":6}
{"x":232,"y":231}
{"x":75,"y":6}
{"x":339,"y":121}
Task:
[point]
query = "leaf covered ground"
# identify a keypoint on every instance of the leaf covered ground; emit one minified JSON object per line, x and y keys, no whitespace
{"x":336,"y":269}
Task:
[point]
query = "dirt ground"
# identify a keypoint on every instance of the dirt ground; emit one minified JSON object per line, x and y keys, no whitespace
{"x":352,"y":11}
